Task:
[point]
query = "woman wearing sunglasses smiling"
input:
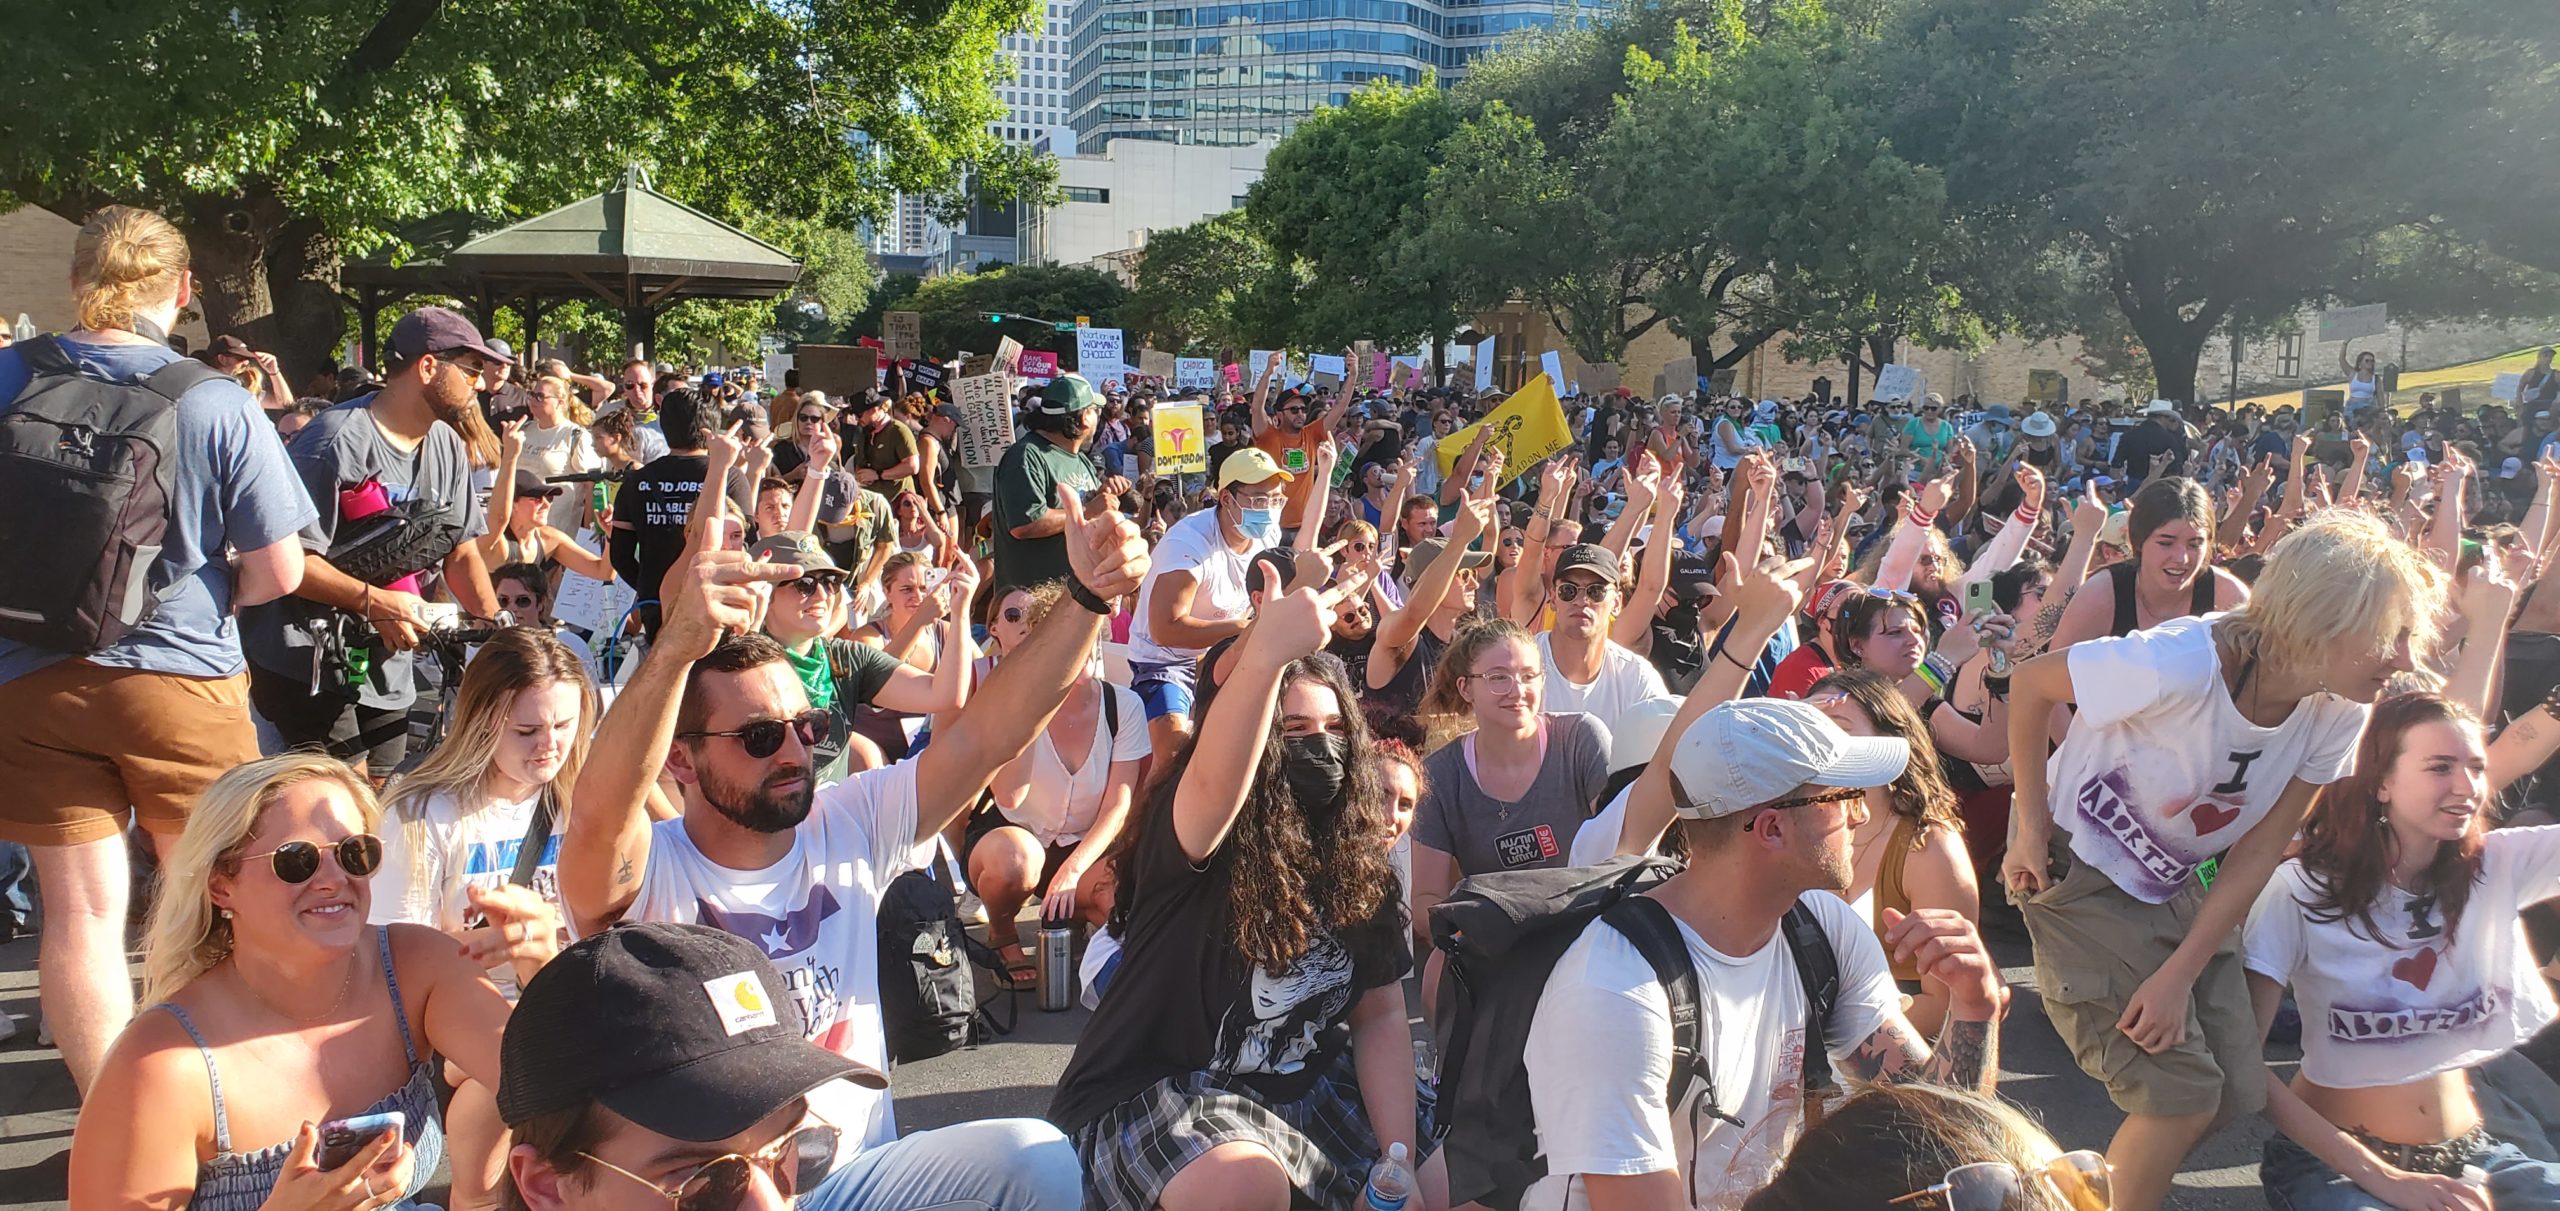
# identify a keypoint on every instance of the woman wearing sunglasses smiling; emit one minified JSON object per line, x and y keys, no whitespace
{"x":841,"y":674}
{"x":262,"y":969}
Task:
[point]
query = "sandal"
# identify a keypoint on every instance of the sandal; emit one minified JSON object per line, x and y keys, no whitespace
{"x":1019,"y":970}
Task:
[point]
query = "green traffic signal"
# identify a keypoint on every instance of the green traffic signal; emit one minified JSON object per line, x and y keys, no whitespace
{"x":995,"y":317}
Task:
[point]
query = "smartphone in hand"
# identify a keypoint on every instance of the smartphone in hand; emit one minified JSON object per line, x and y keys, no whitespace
{"x":341,"y":1139}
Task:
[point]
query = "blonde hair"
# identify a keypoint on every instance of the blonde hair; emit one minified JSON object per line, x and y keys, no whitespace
{"x":517,"y":660}
{"x":187,"y":937}
{"x":125,"y":259}
{"x":1890,"y":1139}
{"x":2340,"y":579}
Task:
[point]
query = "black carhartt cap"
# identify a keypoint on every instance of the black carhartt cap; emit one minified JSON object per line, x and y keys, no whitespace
{"x":684,"y":1029}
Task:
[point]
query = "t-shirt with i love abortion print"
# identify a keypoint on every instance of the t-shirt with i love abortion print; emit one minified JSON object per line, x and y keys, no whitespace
{"x":2410,"y":998}
{"x":2160,"y":770}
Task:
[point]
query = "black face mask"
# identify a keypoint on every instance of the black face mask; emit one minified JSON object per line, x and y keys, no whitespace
{"x":1316,"y":767}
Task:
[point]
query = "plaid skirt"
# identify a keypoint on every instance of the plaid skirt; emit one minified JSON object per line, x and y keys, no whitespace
{"x":1322,"y":1140}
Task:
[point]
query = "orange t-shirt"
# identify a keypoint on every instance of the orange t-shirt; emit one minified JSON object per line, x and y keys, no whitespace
{"x":1296,"y":454}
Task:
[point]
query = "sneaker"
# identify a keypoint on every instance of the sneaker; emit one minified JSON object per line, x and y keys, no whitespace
{"x":44,"y":1033}
{"x":971,"y":909}
{"x":8,"y":1027}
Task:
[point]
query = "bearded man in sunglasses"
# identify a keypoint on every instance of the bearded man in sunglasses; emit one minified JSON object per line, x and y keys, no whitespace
{"x":763,"y":852}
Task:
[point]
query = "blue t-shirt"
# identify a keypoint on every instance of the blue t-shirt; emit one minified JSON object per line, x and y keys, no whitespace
{"x":233,"y":487}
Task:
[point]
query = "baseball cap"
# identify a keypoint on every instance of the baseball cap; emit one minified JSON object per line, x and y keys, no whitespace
{"x":1418,"y":561}
{"x":715,"y":379}
{"x":1588,"y":557}
{"x":686,"y":1030}
{"x":227,"y":345}
{"x":1754,"y":750}
{"x":798,"y":548}
{"x":501,"y":348}
{"x":948,"y":412}
{"x":1251,"y":465}
{"x":529,"y":482}
{"x":2117,"y":529}
{"x":438,"y":330}
{"x":1637,"y":731}
{"x":2511,"y":468}
{"x":1828,"y":596}
{"x":1067,"y":395}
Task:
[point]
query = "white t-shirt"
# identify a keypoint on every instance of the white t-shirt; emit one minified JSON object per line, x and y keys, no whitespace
{"x":2414,"y":1002}
{"x":1625,"y":679}
{"x":815,"y":913}
{"x":429,"y":867}
{"x":1597,"y":840}
{"x":2161,"y":772}
{"x":1194,"y":545}
{"x":1599,"y":1059}
{"x":1058,"y":806}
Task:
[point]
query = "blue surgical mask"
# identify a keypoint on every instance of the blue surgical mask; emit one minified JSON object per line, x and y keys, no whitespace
{"x":1261,"y":524}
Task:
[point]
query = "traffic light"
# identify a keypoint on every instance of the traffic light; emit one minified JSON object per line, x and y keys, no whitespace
{"x":995,"y":317}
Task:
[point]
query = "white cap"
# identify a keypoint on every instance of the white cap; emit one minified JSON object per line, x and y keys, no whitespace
{"x":2512,"y":468}
{"x":1637,"y":731}
{"x":1755,"y":750}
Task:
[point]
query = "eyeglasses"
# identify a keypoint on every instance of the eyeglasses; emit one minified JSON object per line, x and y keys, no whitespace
{"x":526,"y":602}
{"x":1271,"y":501}
{"x":1501,"y":680}
{"x":296,"y":861}
{"x":2081,"y":1179}
{"x":763,"y":738}
{"x":811,"y":586}
{"x":1575,"y":590}
{"x":796,"y":1162}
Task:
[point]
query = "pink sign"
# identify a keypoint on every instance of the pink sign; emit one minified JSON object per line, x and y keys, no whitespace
{"x":1384,"y":368}
{"x":1235,"y":375}
{"x":1039,"y":363}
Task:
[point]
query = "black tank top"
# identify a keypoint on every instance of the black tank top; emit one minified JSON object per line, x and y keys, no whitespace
{"x":1402,"y":693}
{"x":2199,"y":601}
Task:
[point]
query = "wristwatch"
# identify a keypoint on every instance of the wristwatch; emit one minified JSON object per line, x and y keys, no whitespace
{"x":1087,"y":598}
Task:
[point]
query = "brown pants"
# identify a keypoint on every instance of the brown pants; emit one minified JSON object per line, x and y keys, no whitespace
{"x":88,"y":747}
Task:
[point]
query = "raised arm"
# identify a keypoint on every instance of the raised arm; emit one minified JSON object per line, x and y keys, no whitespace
{"x":2002,"y":551}
{"x":2487,"y":602}
{"x":2444,"y":534}
{"x":1634,"y":624}
{"x":812,"y":495}
{"x":606,"y":846}
{"x":1106,"y":558}
{"x":1902,"y":551}
{"x":1396,"y":631}
{"x":1230,"y":746}
{"x":1271,"y":367}
{"x":1762,"y":603}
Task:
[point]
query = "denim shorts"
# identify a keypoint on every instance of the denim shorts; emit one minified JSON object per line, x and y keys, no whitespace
{"x":2295,"y":1180}
{"x":1164,"y":689}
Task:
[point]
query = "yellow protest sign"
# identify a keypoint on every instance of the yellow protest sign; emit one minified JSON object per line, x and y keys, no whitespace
{"x":1528,"y":428}
{"x":1179,"y":445}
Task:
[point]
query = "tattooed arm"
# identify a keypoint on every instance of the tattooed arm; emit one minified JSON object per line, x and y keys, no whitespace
{"x":2522,"y":747}
{"x":1946,"y":948}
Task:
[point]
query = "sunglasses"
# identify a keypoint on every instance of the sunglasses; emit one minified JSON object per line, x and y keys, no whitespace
{"x":1575,"y":590}
{"x":297,"y":861}
{"x":545,"y":494}
{"x":811,"y":586}
{"x":763,"y":738}
{"x":526,"y":602}
{"x":797,"y":1163}
{"x":812,"y":418}
{"x":2080,"y":1179}
{"x":1015,"y":613}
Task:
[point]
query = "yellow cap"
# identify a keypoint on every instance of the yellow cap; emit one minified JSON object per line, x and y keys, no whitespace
{"x":1251,"y":465}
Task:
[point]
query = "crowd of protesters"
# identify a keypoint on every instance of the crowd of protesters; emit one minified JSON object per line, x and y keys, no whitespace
{"x":2241,"y":716}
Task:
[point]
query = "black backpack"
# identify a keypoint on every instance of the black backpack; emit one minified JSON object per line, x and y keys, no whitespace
{"x":1502,"y":934}
{"x":87,"y":469}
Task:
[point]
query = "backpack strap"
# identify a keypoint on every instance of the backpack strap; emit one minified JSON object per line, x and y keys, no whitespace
{"x":1648,"y":925}
{"x":1819,"y":969}
{"x":1111,"y":711}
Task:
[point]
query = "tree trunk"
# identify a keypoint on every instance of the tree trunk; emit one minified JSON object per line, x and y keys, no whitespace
{"x":268,"y":277}
{"x":2175,"y":344}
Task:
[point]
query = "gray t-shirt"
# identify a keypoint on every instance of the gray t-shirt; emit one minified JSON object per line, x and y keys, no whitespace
{"x":1487,"y":834}
{"x":232,"y":488}
{"x":339,"y":451}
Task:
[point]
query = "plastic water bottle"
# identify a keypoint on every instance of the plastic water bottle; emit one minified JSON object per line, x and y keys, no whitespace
{"x":1390,"y":1182}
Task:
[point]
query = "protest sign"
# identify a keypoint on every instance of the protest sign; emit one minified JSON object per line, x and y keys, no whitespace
{"x":1602,"y":378}
{"x":924,"y":376}
{"x":844,"y":372}
{"x":1382,"y":369}
{"x":1421,"y":374}
{"x":1234,"y":374}
{"x":1180,"y":447}
{"x":1008,"y":358}
{"x":1326,"y":363}
{"x":1255,"y":361}
{"x":1038,"y":365}
{"x":986,"y":418}
{"x":1155,"y":364}
{"x":1528,"y":428}
{"x":596,"y":605}
{"x":2506,"y":387}
{"x":777,"y":367}
{"x":902,"y":332}
{"x":1099,"y":354}
{"x":1897,"y":383}
{"x":1484,"y":364}
{"x":1551,"y":364}
{"x":2045,"y":386}
{"x":1679,"y":377}
{"x":1194,"y":373}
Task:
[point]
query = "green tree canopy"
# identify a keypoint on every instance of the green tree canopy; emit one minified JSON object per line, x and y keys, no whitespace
{"x":282,"y":136}
{"x":955,"y":307}
{"x":2197,"y":161}
{"x":1197,"y":285}
{"x":1343,"y":206}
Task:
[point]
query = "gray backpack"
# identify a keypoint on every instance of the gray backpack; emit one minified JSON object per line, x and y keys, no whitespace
{"x":87,"y":468}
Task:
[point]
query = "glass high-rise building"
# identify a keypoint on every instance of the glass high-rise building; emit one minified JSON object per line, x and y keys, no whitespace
{"x":1231,"y":74}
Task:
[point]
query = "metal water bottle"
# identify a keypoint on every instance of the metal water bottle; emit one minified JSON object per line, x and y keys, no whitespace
{"x":1057,"y":965}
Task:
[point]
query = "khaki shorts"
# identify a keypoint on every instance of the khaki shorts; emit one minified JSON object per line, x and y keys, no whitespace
{"x":2095,"y":945}
{"x":87,"y":747}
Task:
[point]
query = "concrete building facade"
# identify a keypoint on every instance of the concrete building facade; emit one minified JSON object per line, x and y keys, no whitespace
{"x":1131,"y":187}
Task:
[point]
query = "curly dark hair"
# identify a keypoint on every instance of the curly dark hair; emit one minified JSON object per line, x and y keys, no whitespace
{"x":1288,"y":883}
